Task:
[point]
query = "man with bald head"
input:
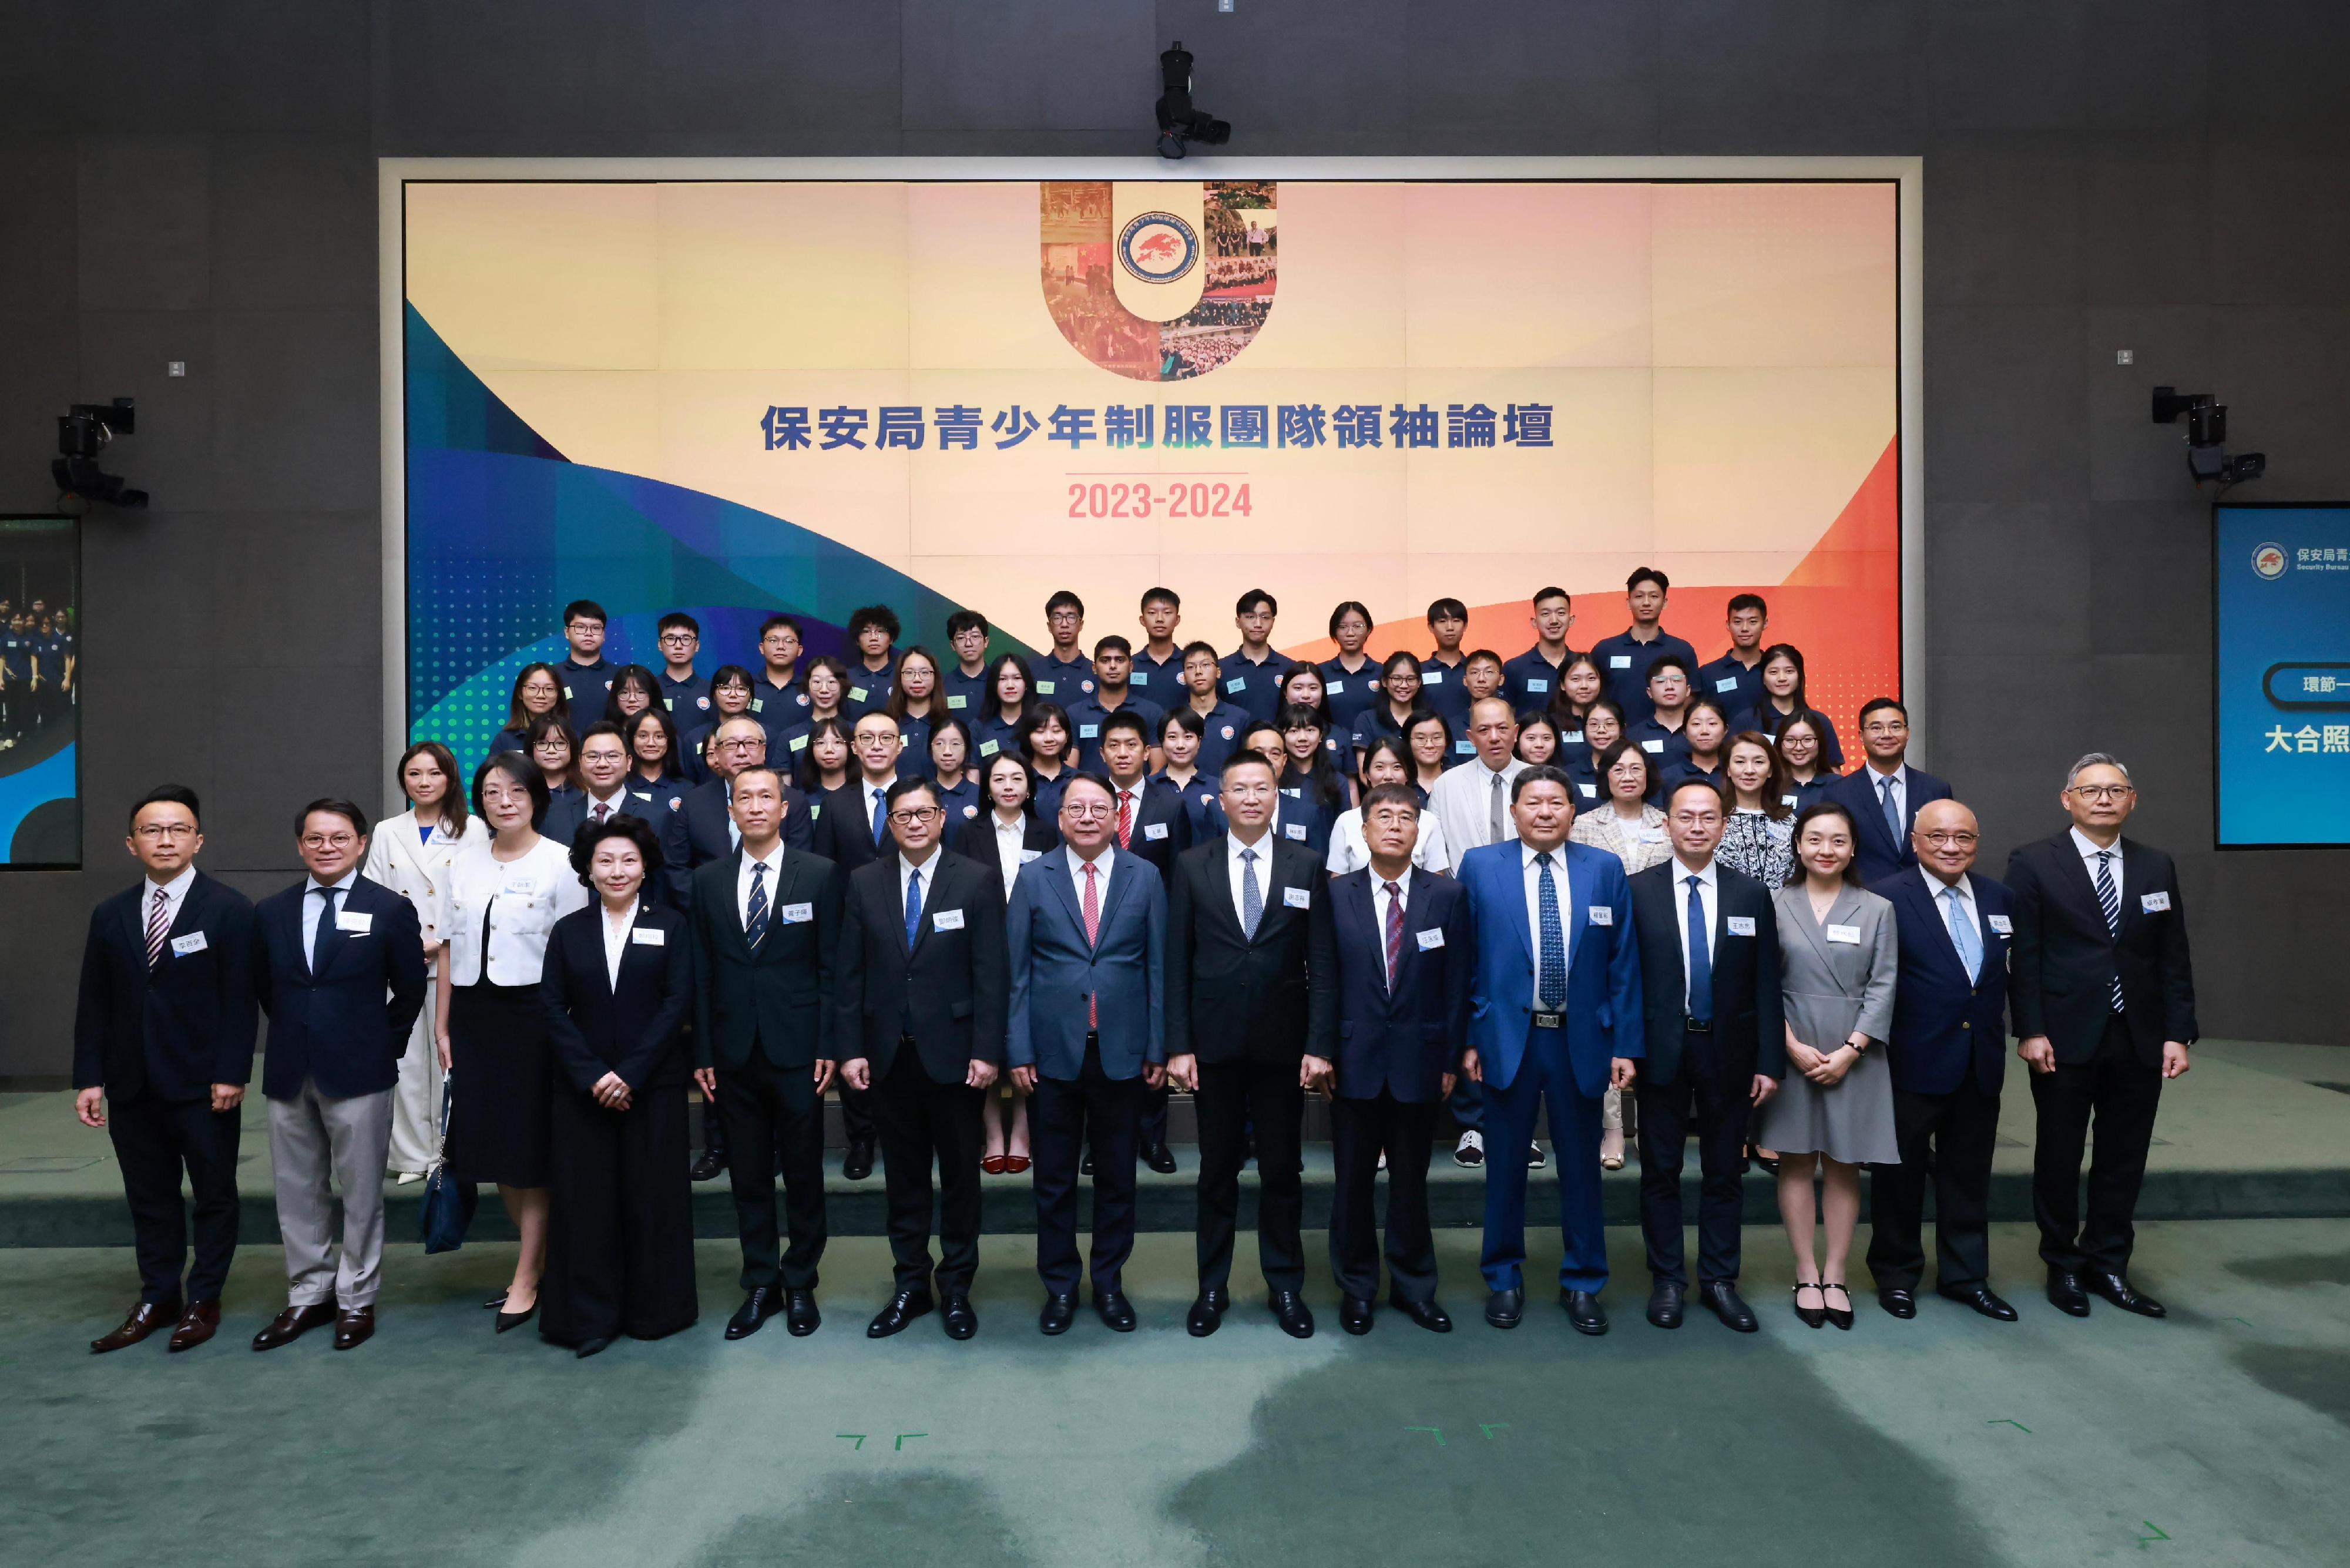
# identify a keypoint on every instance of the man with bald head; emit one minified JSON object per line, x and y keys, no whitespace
{"x":1948,"y":1052}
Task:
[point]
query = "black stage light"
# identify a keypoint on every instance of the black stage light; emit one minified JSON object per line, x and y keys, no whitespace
{"x":2206,"y":437}
{"x":85,"y":432}
{"x":1179,"y":123}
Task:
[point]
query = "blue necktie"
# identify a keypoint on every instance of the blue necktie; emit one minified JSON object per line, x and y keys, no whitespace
{"x":1892,"y":810}
{"x":913,"y":908}
{"x":880,"y":817}
{"x":1553,"y":939}
{"x":1701,"y":957}
{"x":1252,"y":900}
{"x":2109,"y":900}
{"x":1962,"y":933}
{"x":326,"y":929}
{"x":754,"y":912}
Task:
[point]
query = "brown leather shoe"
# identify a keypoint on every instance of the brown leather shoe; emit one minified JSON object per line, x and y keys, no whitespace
{"x":199,"y":1325}
{"x":292,"y":1324}
{"x":354,"y":1328}
{"x":146,"y":1318}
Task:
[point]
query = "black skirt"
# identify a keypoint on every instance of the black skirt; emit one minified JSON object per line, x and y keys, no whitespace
{"x":502,"y":1090}
{"x":619,"y":1243}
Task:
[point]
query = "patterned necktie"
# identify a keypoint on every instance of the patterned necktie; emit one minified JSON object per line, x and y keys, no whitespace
{"x":1252,"y":900}
{"x":1553,"y":939}
{"x":601,"y":812}
{"x":913,"y":908}
{"x":1892,"y":808}
{"x":1395,"y":931}
{"x":2110,"y":899}
{"x":1493,"y":833}
{"x":158,"y":925}
{"x":1125,"y":817}
{"x":1093,"y":936}
{"x":755,"y":909}
{"x":326,"y":929}
{"x":880,"y":817}
{"x":1962,"y":933}
{"x":1701,"y":957}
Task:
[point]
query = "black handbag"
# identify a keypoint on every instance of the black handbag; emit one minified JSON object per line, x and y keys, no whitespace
{"x":449,"y":1204}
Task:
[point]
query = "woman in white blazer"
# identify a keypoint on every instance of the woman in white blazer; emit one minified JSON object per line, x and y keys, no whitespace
{"x":410,"y":853}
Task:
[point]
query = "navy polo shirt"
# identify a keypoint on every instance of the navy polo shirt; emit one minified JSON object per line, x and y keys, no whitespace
{"x":688,"y":701}
{"x":1085,"y":718}
{"x":1732,"y":685}
{"x":777,"y":709}
{"x":1441,"y":691}
{"x":586,"y":687}
{"x":965,"y":696}
{"x":1667,"y":749}
{"x":1065,"y":681}
{"x":914,"y":747}
{"x":868,"y":691}
{"x":961,"y":803}
{"x":1160,"y":680}
{"x":17,"y":656}
{"x":1199,"y":800}
{"x":1350,"y":694}
{"x":990,"y":737}
{"x":1372,"y":723}
{"x":1585,"y":776}
{"x":1254,"y":688}
{"x":1625,"y":663}
{"x":1530,"y":681}
{"x":1573,"y":748}
{"x":1768,"y":720}
{"x":1219,"y":736}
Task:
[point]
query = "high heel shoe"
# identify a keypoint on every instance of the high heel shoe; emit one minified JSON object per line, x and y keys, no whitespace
{"x":995,"y":1163}
{"x":1840,"y":1316}
{"x":1016,"y":1163}
{"x":1768,"y":1161}
{"x":508,"y":1319}
{"x":1813,"y":1316}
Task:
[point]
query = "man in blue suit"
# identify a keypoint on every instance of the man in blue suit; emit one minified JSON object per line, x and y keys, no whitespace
{"x":340,"y":972}
{"x":1554,"y":1017}
{"x":1885,"y":791}
{"x":1948,"y":1052}
{"x":1086,"y":929}
{"x":1407,"y":952}
{"x":162,"y":1050}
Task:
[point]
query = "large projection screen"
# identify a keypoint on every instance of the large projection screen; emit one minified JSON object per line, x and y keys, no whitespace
{"x":734,"y":388}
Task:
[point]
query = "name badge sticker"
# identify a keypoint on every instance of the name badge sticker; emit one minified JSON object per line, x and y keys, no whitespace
{"x":856,"y":694}
{"x":649,"y":937}
{"x":2154,"y":903}
{"x":799,"y":742}
{"x":1848,"y":935}
{"x":1028,"y":854}
{"x":189,"y":945}
{"x":798,"y":914}
{"x":1154,"y":830}
{"x":1537,"y":685}
{"x":1139,"y":677}
{"x":987,"y":748}
{"x":1653,"y":748}
{"x":1431,"y":678}
{"x":1466,"y":748}
{"x":642,"y":794}
{"x":1046,"y":687}
{"x":1730,"y":684}
{"x":1088,"y":731}
{"x":1297,"y":898}
{"x":1590,"y":792}
{"x":758,"y":705}
{"x":1236,"y":684}
{"x":1620,"y":662}
{"x":1791,"y":800}
{"x":1741,"y":925}
{"x":520,"y":887}
{"x":1602,"y":915}
{"x":947,"y":921}
{"x":2001,"y":924}
{"x":1334,"y":688}
{"x":359,"y":924}
{"x":1430,"y":940}
{"x":957,"y":705}
{"x":1295,"y":830}
{"x":1573,"y":737}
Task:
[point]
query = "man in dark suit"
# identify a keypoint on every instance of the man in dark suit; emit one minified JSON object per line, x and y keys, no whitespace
{"x":2103,"y":1003}
{"x":604,"y":776}
{"x":1252,"y":1021}
{"x":1154,"y":825}
{"x":1405,"y":949}
{"x":765,"y":922}
{"x":1717,"y":1049}
{"x":922,"y":1018}
{"x":341,"y":975}
{"x":162,"y":1050}
{"x":851,"y":830}
{"x":702,"y":830}
{"x":1087,"y":933}
{"x":1883,"y":792}
{"x":1948,"y":1053}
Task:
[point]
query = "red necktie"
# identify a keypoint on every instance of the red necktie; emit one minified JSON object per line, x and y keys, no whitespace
{"x":600,"y":809}
{"x":1395,"y":931}
{"x":1093,"y":931}
{"x":1125,"y":817}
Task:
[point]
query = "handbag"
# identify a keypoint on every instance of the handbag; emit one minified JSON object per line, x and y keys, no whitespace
{"x":449,"y":1204}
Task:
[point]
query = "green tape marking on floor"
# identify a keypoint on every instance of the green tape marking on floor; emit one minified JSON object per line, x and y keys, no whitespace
{"x":1438,"y":1430}
{"x":2158,"y":1534}
{"x":2003,"y":1422}
{"x":858,"y":1436}
{"x":1490,"y":1428}
{"x":899,"y":1446}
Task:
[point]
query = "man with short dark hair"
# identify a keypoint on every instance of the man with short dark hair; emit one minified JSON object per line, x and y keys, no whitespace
{"x":1250,"y":676}
{"x":1441,"y":690}
{"x":604,"y":792}
{"x":702,"y":828}
{"x":685,"y":691}
{"x":1471,"y":805}
{"x":1532,"y":679}
{"x":1886,"y":795}
{"x":163,"y":1035}
{"x":852,"y":830}
{"x":778,"y":700}
{"x":1624,"y":658}
{"x":1065,"y":674}
{"x":1735,"y":679}
{"x":1158,"y":663}
{"x":1112,"y":693}
{"x":340,"y":972}
{"x":1221,"y":723}
{"x":1661,"y":734}
{"x":873,"y":632}
{"x":964,"y":683}
{"x":585,"y":673}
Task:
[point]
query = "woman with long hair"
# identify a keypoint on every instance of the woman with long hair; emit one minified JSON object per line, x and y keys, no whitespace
{"x":554,"y":751}
{"x":1538,"y":739}
{"x":538,"y":694}
{"x":1602,"y":726}
{"x":1428,"y":735}
{"x":634,"y":689}
{"x":1011,"y":690}
{"x":1784,"y":696}
{"x":823,"y":762}
{"x":950,"y":772}
{"x":1798,"y":744}
{"x":731,"y":696}
{"x":1580,"y":684}
{"x":654,"y":770}
{"x":1304,"y":774}
{"x":1706,"y":728}
{"x":1044,"y":743}
{"x":1004,"y":837}
{"x":1759,"y":837}
{"x":917,"y":706}
{"x":1388,"y":760}
{"x":1398,"y":700}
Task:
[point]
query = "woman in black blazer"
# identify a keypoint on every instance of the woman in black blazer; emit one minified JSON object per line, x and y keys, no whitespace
{"x":1004,"y":837}
{"x":617,"y":991}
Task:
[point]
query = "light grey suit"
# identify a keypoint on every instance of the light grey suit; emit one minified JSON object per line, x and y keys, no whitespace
{"x":1836,"y":976}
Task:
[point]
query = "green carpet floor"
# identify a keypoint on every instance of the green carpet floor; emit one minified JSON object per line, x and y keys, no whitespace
{"x":2215,"y":1438}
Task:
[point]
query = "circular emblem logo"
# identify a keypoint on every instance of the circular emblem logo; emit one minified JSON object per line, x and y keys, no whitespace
{"x":701,"y":702}
{"x":2269,"y":561}
{"x":1158,"y":247}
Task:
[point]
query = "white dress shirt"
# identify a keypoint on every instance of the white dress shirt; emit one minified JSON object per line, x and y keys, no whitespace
{"x":314,"y":907}
{"x":1127,"y":800}
{"x":611,"y":802}
{"x":1709,"y":895}
{"x":1009,"y":854}
{"x":616,"y":942}
{"x":877,"y":794}
{"x":1349,"y":851}
{"x":1898,"y":779}
{"x":1101,"y":864}
{"x":2089,"y":849}
{"x":1527,"y":860}
{"x":175,"y":893}
{"x":1462,"y":801}
{"x":773,"y":862}
{"x":1965,"y":888}
{"x":1379,"y":902}
{"x":1235,"y":869}
{"x":930,"y":870}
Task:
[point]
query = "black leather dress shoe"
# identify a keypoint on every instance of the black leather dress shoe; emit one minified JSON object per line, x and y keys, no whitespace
{"x":709,"y":1167}
{"x":1158,"y":1159}
{"x":857,"y":1163}
{"x":1207,"y":1314}
{"x":1355,"y":1314}
{"x":354,"y":1328}
{"x":1114,"y":1309}
{"x":1290,"y":1311}
{"x":2116,"y":1289}
{"x":903,"y":1309}
{"x":292,"y":1324}
{"x":593,"y":1348}
{"x":1584,"y":1310}
{"x":1723,"y":1298}
{"x":146,"y":1318}
{"x":1978,"y":1296}
{"x":752,"y":1315}
{"x":2066,"y":1294}
{"x":1059,"y":1312}
{"x":961,"y":1322}
{"x":1901,"y":1304}
{"x":800,"y":1314}
{"x":1426,"y":1314}
{"x":1505,"y":1309}
{"x":1665,"y":1305}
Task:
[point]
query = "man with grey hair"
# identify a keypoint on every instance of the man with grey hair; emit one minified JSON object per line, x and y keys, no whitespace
{"x":2104,"y":1003}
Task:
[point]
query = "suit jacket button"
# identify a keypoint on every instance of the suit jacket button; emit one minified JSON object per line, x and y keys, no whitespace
{"x":1965,"y":1024}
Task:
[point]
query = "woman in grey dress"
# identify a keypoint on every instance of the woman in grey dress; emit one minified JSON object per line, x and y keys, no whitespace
{"x":1835,"y":1109}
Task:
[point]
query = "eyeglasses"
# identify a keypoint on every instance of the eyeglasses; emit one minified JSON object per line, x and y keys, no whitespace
{"x":914,"y":814}
{"x":154,"y":832}
{"x":551,"y":745}
{"x":1953,"y":840}
{"x":2103,"y":792}
{"x":1086,"y":811}
{"x":740,"y":744}
{"x":677,"y":637}
{"x":328,"y":840}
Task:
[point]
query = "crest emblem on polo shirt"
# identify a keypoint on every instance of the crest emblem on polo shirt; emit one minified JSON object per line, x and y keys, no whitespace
{"x":1159,"y":280}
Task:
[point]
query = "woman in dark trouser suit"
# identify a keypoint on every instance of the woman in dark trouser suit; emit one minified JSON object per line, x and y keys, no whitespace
{"x":619,"y":1253}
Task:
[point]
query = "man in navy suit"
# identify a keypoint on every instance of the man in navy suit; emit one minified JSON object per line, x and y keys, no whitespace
{"x":604,"y":771}
{"x":162,"y":1050}
{"x":1154,"y":823}
{"x":1088,"y":932}
{"x":1948,"y":1053}
{"x":342,"y":974}
{"x":1717,"y":1049}
{"x":1406,"y":951}
{"x":1884,"y":791}
{"x":1554,"y":1018}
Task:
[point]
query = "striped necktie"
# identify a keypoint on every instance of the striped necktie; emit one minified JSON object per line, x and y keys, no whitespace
{"x":158,"y":925}
{"x":2109,"y":900}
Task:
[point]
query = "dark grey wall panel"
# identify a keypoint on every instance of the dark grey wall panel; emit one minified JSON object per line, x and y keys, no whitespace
{"x":2166,"y":176}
